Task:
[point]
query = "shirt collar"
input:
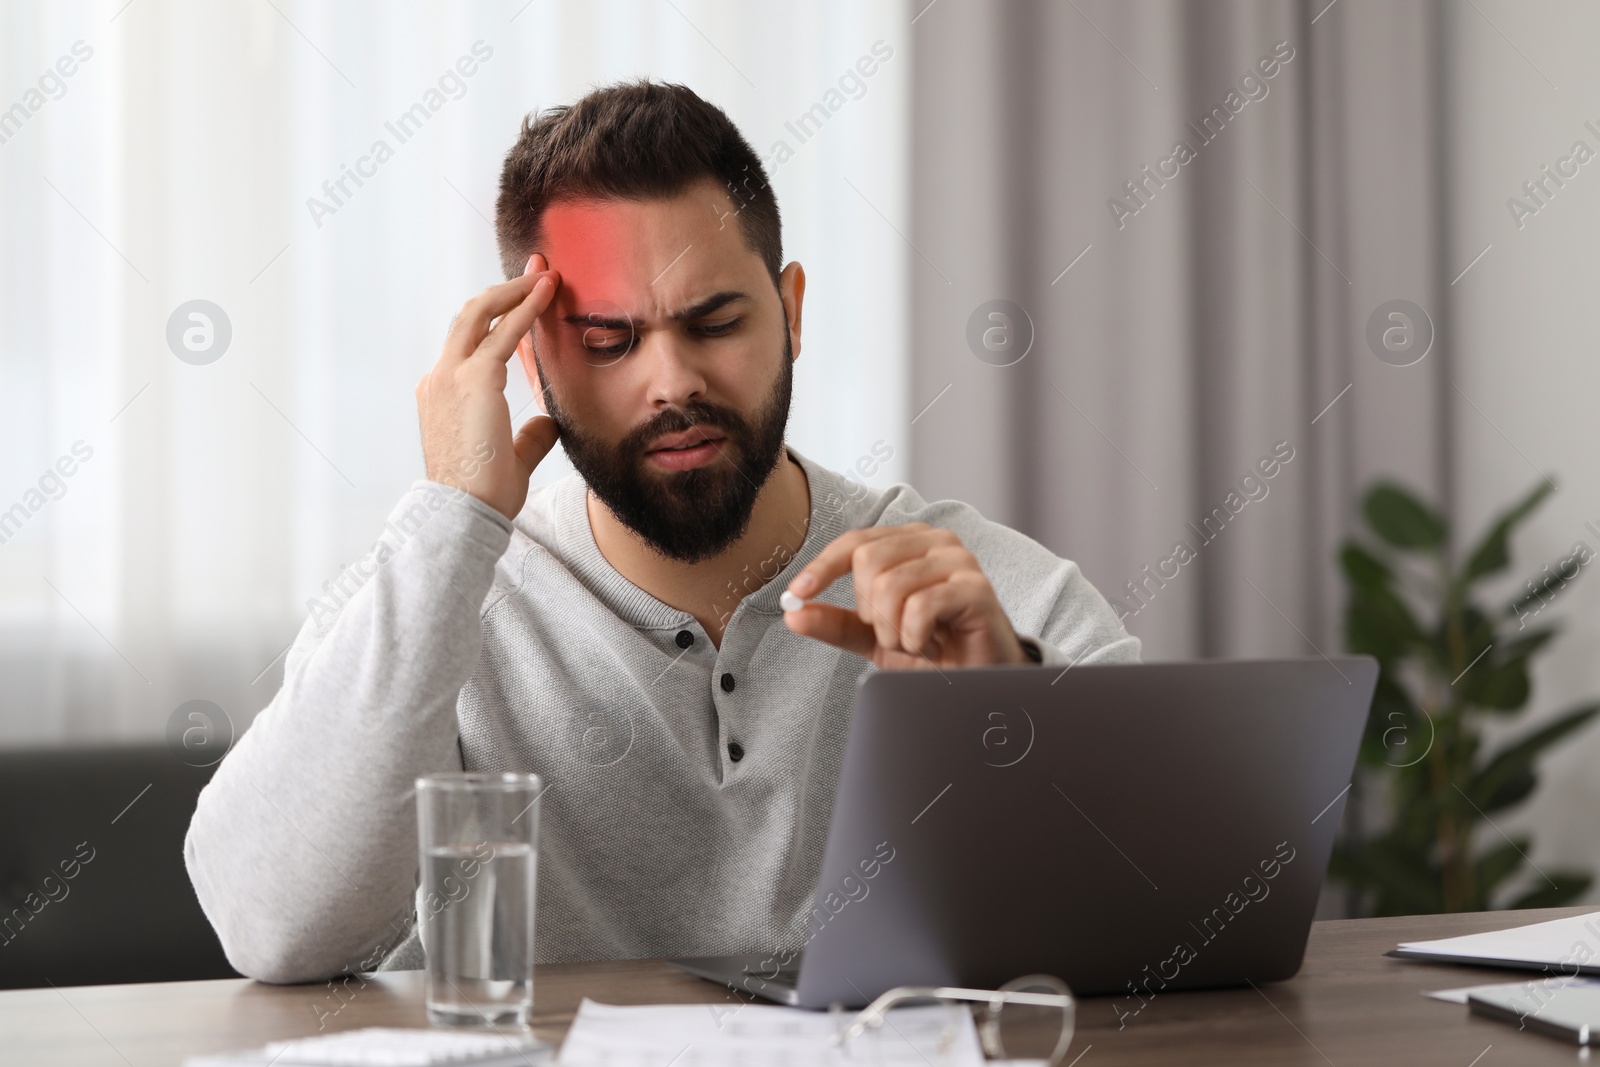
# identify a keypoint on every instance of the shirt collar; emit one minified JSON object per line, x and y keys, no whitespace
{"x":830,"y":508}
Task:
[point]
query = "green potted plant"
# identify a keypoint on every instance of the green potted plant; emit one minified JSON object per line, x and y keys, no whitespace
{"x":1447,"y":665}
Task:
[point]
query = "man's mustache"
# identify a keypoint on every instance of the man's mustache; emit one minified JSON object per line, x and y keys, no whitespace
{"x":677,"y":420}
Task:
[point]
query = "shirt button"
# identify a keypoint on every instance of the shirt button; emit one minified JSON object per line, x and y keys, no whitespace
{"x":685,"y":638}
{"x":735,"y":751}
{"x":727,"y":683}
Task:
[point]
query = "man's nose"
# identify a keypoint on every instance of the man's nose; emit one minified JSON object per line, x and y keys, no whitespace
{"x":675,"y":376}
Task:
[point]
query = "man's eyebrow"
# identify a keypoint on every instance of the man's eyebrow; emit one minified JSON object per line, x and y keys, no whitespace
{"x":708,"y":305}
{"x":715,"y":301}
{"x":595,"y":320}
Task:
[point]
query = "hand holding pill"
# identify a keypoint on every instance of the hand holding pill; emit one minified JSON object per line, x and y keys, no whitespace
{"x":921,"y":600}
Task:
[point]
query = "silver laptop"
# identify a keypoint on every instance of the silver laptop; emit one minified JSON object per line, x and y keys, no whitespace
{"x":1130,"y":828}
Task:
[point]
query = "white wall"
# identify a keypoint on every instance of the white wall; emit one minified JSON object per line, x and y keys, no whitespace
{"x":177,"y":164}
{"x":1527,"y":358}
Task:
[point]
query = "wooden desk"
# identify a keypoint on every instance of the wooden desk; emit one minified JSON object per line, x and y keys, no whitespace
{"x":1349,"y":1005}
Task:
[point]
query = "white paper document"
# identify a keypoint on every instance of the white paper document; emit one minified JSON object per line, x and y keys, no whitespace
{"x":1459,"y":995}
{"x":379,"y":1046}
{"x":722,"y":1035}
{"x":1571,"y":945}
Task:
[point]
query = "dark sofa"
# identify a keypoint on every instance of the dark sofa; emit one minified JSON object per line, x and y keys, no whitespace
{"x":92,"y":884}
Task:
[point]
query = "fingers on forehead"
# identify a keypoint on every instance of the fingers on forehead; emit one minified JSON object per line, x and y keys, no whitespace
{"x":477,"y":313}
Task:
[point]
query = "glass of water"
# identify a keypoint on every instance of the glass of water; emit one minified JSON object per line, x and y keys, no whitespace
{"x":478,"y":834}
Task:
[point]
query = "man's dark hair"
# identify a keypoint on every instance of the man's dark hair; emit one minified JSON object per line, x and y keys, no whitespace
{"x":637,"y":140}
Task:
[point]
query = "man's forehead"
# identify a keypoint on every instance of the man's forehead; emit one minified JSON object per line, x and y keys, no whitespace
{"x":647,"y":258}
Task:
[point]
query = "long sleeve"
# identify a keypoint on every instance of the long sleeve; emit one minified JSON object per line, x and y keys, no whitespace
{"x":1081,"y":627}
{"x":302,"y":849}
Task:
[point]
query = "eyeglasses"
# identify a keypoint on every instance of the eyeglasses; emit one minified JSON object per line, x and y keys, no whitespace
{"x":1038,"y":1027}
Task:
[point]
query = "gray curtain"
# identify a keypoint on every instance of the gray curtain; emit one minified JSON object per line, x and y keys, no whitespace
{"x":1215,"y":314}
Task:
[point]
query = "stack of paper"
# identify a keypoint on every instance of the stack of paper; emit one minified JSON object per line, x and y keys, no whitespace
{"x":722,"y":1035}
{"x":1561,"y":946}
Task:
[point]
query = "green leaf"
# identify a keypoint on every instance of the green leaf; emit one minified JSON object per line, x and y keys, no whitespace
{"x":1364,"y":570}
{"x":1476,"y":634}
{"x":1493,"y":553}
{"x":1379,"y":623}
{"x":1528,"y":642}
{"x":1499,"y":864}
{"x":1542,"y":590}
{"x":1343,"y":866}
{"x":1406,"y":884}
{"x":1502,"y":686}
{"x":1569,"y":886}
{"x":1416,"y":807}
{"x":1397,"y":732}
{"x":1508,"y":792}
{"x":1508,"y":767}
{"x":1402,"y":520}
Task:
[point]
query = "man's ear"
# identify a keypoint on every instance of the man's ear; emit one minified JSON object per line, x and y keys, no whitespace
{"x":531,"y":368}
{"x":792,"y":289}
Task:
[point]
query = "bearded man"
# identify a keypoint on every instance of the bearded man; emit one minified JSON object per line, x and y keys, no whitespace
{"x":689,"y":729}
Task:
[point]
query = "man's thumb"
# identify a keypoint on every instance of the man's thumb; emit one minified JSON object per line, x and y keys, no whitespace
{"x":534,"y":441}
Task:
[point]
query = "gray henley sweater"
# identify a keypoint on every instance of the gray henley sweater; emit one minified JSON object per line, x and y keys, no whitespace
{"x":467,"y":641}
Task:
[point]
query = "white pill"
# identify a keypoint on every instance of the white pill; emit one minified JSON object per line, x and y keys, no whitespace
{"x":789,"y":602}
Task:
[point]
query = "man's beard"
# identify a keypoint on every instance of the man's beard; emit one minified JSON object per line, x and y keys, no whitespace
{"x":689,"y":515}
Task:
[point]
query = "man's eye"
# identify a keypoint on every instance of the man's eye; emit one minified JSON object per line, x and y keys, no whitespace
{"x":601,"y":342}
{"x":717,"y":329}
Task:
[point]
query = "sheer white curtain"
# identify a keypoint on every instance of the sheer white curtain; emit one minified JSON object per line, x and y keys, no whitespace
{"x":203,"y":152}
